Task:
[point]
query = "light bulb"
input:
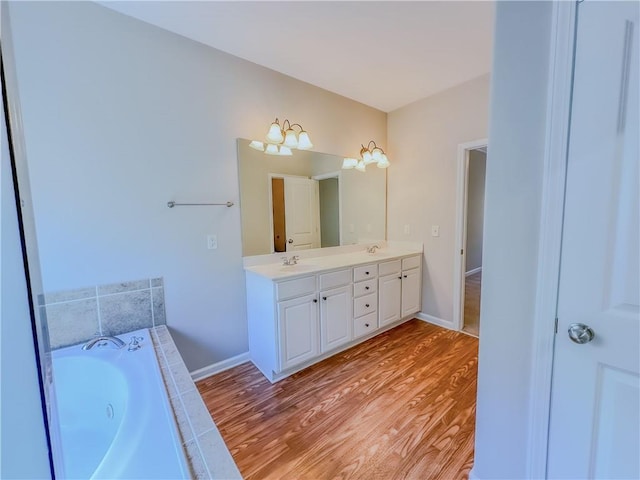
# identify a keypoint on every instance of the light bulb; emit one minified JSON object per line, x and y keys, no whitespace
{"x":290,"y":139}
{"x":376,"y":154}
{"x":367,"y":158}
{"x":349,"y":163}
{"x":384,"y":162}
{"x":285,"y":151}
{"x":255,"y":144}
{"x":361,"y":166}
{"x":304,"y":142}
{"x":271,"y":149}
{"x":275,"y":133}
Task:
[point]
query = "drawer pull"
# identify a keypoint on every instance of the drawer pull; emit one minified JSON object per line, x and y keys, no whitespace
{"x":366,"y":288}
{"x":366,"y":273}
{"x":404,"y":276}
{"x":315,"y":300}
{"x":400,"y":277}
{"x":324,"y":298}
{"x":366,"y":305}
{"x":366,"y":324}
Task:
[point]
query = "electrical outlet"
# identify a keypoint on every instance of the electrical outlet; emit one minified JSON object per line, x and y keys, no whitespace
{"x":435,"y":230}
{"x":407,"y":229}
{"x":212,"y":242}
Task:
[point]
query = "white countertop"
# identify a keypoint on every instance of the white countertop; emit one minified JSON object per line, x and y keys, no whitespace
{"x":312,"y":265}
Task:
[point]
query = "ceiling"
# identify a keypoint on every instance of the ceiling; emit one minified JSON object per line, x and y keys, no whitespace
{"x":385,"y":54}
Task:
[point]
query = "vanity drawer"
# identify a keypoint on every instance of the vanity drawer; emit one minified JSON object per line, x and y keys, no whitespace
{"x":367,"y":286}
{"x":335,"y":279}
{"x":365,"y":305}
{"x":411,"y":262}
{"x":365,"y":272}
{"x":364,"y":325}
{"x":295,"y":288}
{"x":387,"y":268}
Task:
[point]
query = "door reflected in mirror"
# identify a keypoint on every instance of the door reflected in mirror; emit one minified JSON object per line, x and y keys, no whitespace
{"x":306,"y":200}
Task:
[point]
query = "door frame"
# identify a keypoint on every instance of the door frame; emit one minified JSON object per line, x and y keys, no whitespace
{"x":462,"y":186}
{"x":270,"y":177}
{"x":337,"y":174}
{"x":560,"y":81}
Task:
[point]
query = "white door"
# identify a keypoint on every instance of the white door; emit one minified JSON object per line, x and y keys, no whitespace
{"x":301,"y":213}
{"x":335,"y":318}
{"x":389,"y":294}
{"x":410,"y":291}
{"x":298,"y":321}
{"x":595,"y":405}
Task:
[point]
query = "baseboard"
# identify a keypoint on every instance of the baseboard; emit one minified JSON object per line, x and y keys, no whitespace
{"x":435,"y":320}
{"x":218,"y":367}
{"x":472,"y":271}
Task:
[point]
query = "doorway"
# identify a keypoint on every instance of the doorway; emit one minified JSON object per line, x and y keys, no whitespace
{"x":472,"y":161}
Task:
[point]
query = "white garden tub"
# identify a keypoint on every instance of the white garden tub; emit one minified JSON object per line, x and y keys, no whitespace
{"x":114,"y":416}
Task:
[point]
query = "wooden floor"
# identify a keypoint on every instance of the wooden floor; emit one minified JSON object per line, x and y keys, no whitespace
{"x":399,"y":406}
{"x":472,"y":285}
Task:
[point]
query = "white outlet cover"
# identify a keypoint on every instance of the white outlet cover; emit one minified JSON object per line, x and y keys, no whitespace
{"x":435,"y":230}
{"x":212,"y":242}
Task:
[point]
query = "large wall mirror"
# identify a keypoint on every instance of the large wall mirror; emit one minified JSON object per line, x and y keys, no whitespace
{"x":307,"y":200}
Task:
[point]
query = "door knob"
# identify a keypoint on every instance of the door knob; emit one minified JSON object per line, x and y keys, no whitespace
{"x":581,"y":333}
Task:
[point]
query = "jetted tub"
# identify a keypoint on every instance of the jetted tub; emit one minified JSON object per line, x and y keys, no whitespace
{"x":114,"y":416}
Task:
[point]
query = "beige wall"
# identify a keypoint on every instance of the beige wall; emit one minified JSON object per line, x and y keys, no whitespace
{"x":120,"y":117}
{"x":423,"y":140}
{"x":475,"y":208}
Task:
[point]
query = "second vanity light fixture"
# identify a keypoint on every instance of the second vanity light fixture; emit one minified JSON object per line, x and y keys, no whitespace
{"x":280,"y":140}
{"x":368,"y":155}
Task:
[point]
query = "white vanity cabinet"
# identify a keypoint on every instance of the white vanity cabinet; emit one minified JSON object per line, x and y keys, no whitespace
{"x":335,"y":309}
{"x":296,"y":319}
{"x":399,"y":289}
{"x":365,"y":300}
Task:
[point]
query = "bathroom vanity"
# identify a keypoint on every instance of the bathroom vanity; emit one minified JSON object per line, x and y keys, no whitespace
{"x":303,"y":313}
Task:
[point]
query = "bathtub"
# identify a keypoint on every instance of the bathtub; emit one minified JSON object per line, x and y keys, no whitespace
{"x":114,"y":417}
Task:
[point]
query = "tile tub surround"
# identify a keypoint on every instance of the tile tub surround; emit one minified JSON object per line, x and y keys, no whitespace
{"x":206,"y":451}
{"x":75,"y":316}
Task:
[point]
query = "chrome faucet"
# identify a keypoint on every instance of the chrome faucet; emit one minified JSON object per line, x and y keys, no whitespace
{"x":103,"y":340}
{"x":290,"y":261}
{"x":372,"y":249}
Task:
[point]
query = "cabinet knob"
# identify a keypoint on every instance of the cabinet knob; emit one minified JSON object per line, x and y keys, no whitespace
{"x":400,"y":277}
{"x":404,"y":276}
{"x":366,"y":305}
{"x":366,"y":324}
{"x":366,"y":273}
{"x":315,"y":300}
{"x":366,"y":288}
{"x":324,"y":298}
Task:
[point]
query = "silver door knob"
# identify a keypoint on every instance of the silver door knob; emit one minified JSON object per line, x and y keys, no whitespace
{"x":581,"y":333}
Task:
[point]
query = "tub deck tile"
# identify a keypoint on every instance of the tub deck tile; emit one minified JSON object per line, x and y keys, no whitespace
{"x":208,"y":455}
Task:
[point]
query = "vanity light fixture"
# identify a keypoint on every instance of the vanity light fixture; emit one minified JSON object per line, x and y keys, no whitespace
{"x":280,"y":140}
{"x":368,"y":155}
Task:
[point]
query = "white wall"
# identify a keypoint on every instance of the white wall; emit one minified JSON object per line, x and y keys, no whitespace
{"x":475,"y":208}
{"x":121,"y":117}
{"x":423,"y":142}
{"x":511,"y":233}
{"x":23,"y":446}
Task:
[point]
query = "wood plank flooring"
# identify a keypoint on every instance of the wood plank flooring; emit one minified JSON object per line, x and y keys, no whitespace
{"x":472,"y":285}
{"x":399,"y":406}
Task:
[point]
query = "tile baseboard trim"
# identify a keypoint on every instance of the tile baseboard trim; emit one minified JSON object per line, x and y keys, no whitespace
{"x":435,"y":320}
{"x":218,"y":367}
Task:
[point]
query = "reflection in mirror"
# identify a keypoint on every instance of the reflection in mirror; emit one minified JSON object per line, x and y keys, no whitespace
{"x":307,"y":201}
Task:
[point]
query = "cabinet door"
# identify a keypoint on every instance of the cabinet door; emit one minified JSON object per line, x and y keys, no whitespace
{"x":411,"y":294}
{"x":335,"y":318}
{"x":298,"y":323}
{"x":389,"y":288}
